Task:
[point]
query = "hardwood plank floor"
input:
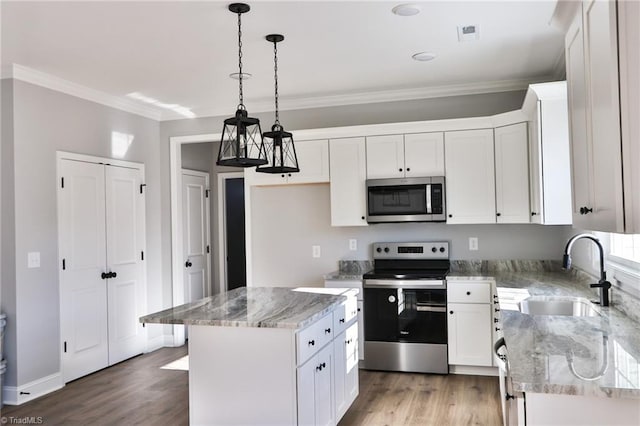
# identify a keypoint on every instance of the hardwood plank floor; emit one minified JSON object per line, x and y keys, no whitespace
{"x":138,"y":392}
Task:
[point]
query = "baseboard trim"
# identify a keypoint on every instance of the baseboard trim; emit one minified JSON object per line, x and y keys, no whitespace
{"x":161,"y":341}
{"x":17,"y":395}
{"x":473,"y":370}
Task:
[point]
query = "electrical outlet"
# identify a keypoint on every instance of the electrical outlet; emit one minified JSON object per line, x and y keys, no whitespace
{"x":33,"y":259}
{"x":473,"y":243}
{"x":353,"y":245}
{"x":315,"y":251}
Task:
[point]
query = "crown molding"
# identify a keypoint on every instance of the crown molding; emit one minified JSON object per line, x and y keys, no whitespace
{"x":371,"y":97}
{"x":39,"y":78}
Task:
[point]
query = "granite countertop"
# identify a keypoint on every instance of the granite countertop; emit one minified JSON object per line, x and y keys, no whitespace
{"x":350,"y":270}
{"x":591,"y":356}
{"x":271,"y":307}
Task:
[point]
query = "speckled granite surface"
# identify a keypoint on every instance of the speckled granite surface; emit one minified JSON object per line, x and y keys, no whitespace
{"x":271,"y":307}
{"x":350,"y":270}
{"x":593,"y":356}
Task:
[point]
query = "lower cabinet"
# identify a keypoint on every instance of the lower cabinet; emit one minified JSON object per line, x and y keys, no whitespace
{"x":315,"y":405}
{"x":345,"y":357}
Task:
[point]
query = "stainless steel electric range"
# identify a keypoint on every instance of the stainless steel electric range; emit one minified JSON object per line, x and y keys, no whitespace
{"x":405,"y":301}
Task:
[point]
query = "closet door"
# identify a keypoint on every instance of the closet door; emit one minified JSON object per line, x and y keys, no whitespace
{"x":83,"y":295}
{"x":125,"y":246}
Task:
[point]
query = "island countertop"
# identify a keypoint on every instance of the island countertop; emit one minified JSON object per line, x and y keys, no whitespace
{"x":271,"y":307}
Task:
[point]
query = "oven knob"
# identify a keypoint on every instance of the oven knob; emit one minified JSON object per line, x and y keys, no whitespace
{"x":379,"y":250}
{"x":392,"y":299}
{"x":433,"y":249}
{"x":386,"y":249}
{"x":441,"y":249}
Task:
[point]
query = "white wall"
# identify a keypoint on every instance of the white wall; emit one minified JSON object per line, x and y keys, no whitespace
{"x":45,"y":121}
{"x":288,"y":220}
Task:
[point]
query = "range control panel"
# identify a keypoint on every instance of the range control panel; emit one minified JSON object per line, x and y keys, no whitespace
{"x":425,"y":250}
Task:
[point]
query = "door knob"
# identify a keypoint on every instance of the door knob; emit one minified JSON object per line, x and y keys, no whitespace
{"x":188,"y":264}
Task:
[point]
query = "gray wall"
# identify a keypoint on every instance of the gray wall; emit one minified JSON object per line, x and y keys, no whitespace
{"x":46,"y":121}
{"x":288,"y":220}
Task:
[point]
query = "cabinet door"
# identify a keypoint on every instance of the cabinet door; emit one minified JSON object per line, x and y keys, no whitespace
{"x":512,"y":174}
{"x":352,"y":386}
{"x":306,"y":392}
{"x":535,"y":168}
{"x":424,"y":154}
{"x":322,"y":387}
{"x":469,"y":331}
{"x":264,"y":179}
{"x":313,"y":160}
{"x":340,"y":375}
{"x":469,"y":169}
{"x":347,"y":161}
{"x":601,"y":60}
{"x":360,"y":330}
{"x":577,"y":98}
{"x":385,"y":157}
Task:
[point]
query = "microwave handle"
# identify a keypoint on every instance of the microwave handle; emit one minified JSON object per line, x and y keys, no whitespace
{"x":428,"y":191}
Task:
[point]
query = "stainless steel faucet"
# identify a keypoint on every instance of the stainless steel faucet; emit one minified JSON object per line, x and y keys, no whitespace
{"x":603,"y":284}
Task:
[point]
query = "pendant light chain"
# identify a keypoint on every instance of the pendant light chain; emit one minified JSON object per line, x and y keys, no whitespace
{"x":275,"y":69}
{"x":241,"y":105}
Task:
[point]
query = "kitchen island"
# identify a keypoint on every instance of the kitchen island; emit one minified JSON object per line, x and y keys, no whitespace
{"x":278,"y":356}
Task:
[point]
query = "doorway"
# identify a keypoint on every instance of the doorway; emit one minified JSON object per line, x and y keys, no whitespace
{"x":232,"y":231}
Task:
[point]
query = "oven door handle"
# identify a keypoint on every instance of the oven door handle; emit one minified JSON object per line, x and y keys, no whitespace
{"x":428,"y":200}
{"x":406,"y":284}
{"x":430,"y":308}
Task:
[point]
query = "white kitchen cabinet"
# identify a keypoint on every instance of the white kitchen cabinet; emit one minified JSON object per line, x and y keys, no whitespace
{"x":411,"y":155}
{"x":346,"y":385}
{"x":470,"y":178}
{"x":313,"y":161}
{"x":512,"y":174}
{"x":592,"y":75}
{"x":360,"y":307}
{"x":545,"y":105}
{"x":314,"y":389}
{"x":469,"y":324}
{"x":348,"y":175}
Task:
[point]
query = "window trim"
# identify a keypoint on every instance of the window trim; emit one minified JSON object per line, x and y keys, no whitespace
{"x":624,"y":273}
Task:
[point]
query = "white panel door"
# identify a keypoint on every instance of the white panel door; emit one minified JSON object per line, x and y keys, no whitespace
{"x":195,"y":234}
{"x":83,"y":294}
{"x":348,"y":175}
{"x":313,"y":161}
{"x":385,"y":157}
{"x":512,"y":174}
{"x":125,"y":247}
{"x":469,"y":331}
{"x":470,"y":173}
{"x":424,"y":154}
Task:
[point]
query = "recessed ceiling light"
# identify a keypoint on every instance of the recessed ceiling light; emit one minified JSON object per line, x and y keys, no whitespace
{"x":236,"y":76}
{"x":468,"y":32}
{"x":406,"y":9}
{"x":424,"y":56}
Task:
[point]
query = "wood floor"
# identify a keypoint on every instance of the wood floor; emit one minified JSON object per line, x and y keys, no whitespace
{"x":138,"y":392}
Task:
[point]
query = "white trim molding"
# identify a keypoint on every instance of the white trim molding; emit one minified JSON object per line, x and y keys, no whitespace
{"x":16,"y":395}
{"x":222,"y":226}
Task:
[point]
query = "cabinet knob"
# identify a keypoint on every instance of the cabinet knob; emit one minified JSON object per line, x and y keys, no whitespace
{"x":289,"y":174}
{"x":498,"y":214}
{"x":468,"y":293}
{"x":408,"y":169}
{"x":451,"y":312}
{"x":586,"y":210}
{"x":399,"y":170}
{"x":113,"y":275}
{"x":188,"y":264}
{"x":359,"y":309}
{"x":362,"y":218}
{"x":533,"y":213}
{"x":342,"y":320}
{"x":496,"y":320}
{"x":312,"y":342}
{"x":104,"y":276}
{"x":496,"y":310}
{"x":450,"y":215}
{"x":282,"y":175}
{"x":498,"y":329}
{"x":324,"y":365}
{"x":327,"y":331}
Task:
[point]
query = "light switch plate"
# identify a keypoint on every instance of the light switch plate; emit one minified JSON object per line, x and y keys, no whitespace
{"x":473,"y":243}
{"x":353,"y":244}
{"x":33,"y":259}
{"x":315,"y":251}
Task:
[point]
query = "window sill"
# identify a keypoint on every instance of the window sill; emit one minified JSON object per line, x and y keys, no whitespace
{"x":625,"y":275}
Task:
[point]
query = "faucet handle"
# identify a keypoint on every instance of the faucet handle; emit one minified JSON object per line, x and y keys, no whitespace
{"x":602,"y":283}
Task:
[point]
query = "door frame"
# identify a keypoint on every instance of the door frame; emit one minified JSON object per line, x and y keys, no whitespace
{"x":64,"y":155}
{"x":222,"y":226}
{"x":207,"y":231}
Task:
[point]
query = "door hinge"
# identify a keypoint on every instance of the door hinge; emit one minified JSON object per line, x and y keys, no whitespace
{"x":65,"y":347}
{"x":62,"y":182}
{"x":64,"y":264}
{"x":208,"y":251}
{"x":206,"y":193}
{"x":142,"y":255}
{"x":142,"y":185}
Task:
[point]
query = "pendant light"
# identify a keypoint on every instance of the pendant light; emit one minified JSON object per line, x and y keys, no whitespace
{"x":241,"y":144}
{"x":278,"y":144}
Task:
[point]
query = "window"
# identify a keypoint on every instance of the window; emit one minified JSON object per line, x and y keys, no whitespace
{"x":624,"y":261}
{"x":626,"y":248}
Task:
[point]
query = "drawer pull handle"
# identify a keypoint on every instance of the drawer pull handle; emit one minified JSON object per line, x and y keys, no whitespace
{"x":342,"y":320}
{"x":327,"y":331}
{"x":496,"y":320}
{"x":498,"y":329}
{"x":497,"y":310}
{"x":312,"y":342}
{"x":468,"y":293}
{"x":359,"y":309}
{"x":451,"y":312}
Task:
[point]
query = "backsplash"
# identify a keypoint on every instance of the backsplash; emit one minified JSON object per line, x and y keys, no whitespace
{"x":354,"y":267}
{"x":486,"y":266}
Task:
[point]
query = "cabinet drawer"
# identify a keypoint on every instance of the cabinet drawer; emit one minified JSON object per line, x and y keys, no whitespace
{"x":344,"y":314}
{"x":469,"y":292}
{"x":314,"y":337}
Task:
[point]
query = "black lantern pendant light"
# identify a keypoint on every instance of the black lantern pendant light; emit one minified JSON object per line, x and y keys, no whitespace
{"x":278,"y":144}
{"x":241,"y":143}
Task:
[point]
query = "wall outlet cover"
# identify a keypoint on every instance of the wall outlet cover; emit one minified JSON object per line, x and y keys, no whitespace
{"x":353,"y":244}
{"x":315,"y":251}
{"x":33,"y":259}
{"x":473,"y":243}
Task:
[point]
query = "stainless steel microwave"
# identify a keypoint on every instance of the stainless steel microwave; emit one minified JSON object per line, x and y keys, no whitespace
{"x":406,"y":200}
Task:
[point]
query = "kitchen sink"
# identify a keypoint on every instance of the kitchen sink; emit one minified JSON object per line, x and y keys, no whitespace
{"x":558,"y":305}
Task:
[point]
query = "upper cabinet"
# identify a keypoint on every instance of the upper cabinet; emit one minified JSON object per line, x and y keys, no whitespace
{"x":545,"y":106}
{"x":313,"y":161}
{"x":512,"y":174}
{"x":600,"y":151}
{"x":347,"y":159}
{"x":470,"y":178}
{"x":399,"y":156}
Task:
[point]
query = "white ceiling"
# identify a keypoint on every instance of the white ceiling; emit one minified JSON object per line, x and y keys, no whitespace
{"x":335,"y":52}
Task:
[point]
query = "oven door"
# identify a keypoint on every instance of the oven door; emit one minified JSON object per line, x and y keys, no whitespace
{"x":405,"y":315}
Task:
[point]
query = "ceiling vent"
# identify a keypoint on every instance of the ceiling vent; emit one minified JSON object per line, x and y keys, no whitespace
{"x":468,"y":32}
